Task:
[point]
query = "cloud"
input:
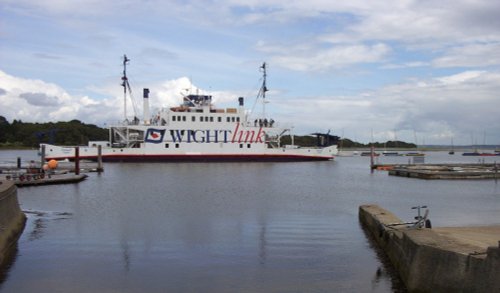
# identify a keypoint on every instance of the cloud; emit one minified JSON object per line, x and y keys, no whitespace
{"x":313,"y":59}
{"x":40,"y":99}
{"x":46,"y":56}
{"x":52,"y":103}
{"x":470,"y":55}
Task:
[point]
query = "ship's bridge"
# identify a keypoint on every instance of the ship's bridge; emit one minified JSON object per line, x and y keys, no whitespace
{"x":197,"y":100}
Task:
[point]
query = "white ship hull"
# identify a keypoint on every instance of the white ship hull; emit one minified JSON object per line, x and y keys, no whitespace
{"x":144,"y":155}
{"x":217,"y":142}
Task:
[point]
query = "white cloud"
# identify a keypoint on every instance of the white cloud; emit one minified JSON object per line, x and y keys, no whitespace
{"x":313,"y":59}
{"x":37,"y":101}
{"x":470,"y":55}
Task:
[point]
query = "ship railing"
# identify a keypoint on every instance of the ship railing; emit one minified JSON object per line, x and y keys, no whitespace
{"x":264,"y":123}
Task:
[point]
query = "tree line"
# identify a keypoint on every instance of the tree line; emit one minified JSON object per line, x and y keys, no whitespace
{"x":30,"y":135}
{"x":75,"y":132}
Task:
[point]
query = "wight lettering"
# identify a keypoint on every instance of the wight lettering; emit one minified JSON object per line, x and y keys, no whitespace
{"x":176,"y":135}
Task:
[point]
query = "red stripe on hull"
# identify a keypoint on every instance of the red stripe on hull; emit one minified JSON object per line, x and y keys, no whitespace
{"x":199,"y":158}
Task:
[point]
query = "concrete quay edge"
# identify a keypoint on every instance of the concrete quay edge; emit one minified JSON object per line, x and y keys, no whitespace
{"x":457,"y":259}
{"x":12,"y":219}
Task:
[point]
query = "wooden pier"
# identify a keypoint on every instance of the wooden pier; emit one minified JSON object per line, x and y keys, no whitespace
{"x":443,"y":171}
{"x":42,"y":179}
{"x":52,"y":172}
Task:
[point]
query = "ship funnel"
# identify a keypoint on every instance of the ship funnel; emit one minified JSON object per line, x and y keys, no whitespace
{"x":146,"y":106}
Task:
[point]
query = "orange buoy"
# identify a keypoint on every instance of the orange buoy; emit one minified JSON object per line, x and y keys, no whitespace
{"x":52,"y":164}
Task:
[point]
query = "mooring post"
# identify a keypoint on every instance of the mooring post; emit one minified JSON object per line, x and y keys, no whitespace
{"x":372,"y":154}
{"x":42,"y":156}
{"x":99,"y":159}
{"x":77,"y":161}
{"x":19,"y":162}
{"x":495,"y":167}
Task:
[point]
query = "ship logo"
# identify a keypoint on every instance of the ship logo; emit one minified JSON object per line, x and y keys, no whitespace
{"x":154,"y":135}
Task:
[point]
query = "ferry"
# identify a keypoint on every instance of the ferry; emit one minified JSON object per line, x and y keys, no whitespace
{"x":196,"y":130}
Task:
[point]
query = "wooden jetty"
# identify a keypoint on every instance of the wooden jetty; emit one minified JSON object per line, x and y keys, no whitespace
{"x":39,"y":179}
{"x":52,"y":172}
{"x":443,"y":171}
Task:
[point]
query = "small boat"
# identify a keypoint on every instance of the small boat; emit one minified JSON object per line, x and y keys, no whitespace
{"x":478,"y":154}
{"x":391,"y":154}
{"x":471,"y":154}
{"x":368,"y":154}
{"x":415,"y":154}
{"x":487,"y":154}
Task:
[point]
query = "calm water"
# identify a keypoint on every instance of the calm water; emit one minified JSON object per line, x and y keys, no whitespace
{"x":229,"y":227}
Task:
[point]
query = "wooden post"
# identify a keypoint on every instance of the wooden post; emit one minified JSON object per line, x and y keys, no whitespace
{"x":372,"y":154}
{"x":77,"y":161}
{"x":99,"y":159}
{"x":19,"y":162}
{"x":42,"y":156}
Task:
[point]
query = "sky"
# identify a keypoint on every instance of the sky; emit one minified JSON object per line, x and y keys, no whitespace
{"x":426,"y":72}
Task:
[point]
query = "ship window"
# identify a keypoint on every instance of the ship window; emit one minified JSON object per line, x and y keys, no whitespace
{"x":178,"y":118}
{"x":173,"y":118}
{"x":201,"y":118}
{"x":176,"y":145}
{"x":249,"y":145}
{"x":166,"y":145}
{"x":211,"y":119}
{"x":241,"y":145}
{"x":193,"y":118}
{"x":232,"y":119}
{"x":228,"y":119}
{"x":219,"y":119}
{"x":183,"y":118}
{"x":206,"y":118}
{"x":237,"y":119}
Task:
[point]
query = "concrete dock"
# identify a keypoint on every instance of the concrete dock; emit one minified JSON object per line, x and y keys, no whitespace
{"x":454,"y":259}
{"x":12,"y":219}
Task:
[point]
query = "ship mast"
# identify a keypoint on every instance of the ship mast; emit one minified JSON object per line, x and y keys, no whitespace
{"x":125,"y":85}
{"x":127,"y":88}
{"x":263,"y":89}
